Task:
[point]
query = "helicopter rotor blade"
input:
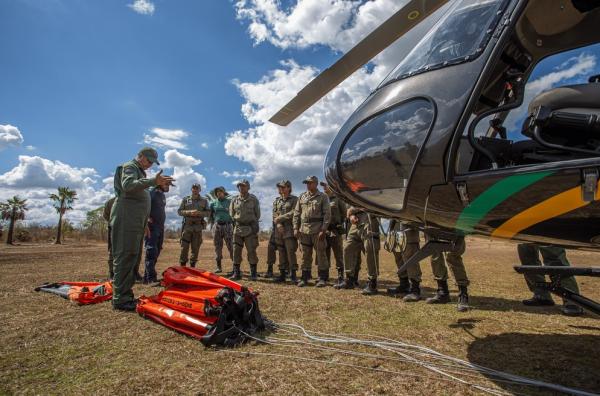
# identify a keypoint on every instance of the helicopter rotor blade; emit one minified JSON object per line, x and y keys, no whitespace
{"x":379,"y":39}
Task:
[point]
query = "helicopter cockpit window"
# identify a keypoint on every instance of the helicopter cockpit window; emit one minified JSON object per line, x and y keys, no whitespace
{"x":460,"y":36}
{"x":550,"y":114}
{"x":377,"y":160}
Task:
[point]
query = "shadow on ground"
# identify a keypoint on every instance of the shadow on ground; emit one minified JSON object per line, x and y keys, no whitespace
{"x":573,"y":359}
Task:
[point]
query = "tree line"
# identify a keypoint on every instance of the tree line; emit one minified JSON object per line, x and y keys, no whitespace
{"x":14,"y":210}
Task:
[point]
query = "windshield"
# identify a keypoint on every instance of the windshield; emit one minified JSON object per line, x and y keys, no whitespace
{"x":460,"y":35}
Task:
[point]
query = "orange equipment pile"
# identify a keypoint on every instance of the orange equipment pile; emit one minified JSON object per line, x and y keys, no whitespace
{"x":200,"y":304}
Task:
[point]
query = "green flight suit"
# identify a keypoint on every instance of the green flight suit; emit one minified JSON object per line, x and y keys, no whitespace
{"x":191,"y":231}
{"x":128,"y":219}
{"x":336,"y":231}
{"x":245,"y":212}
{"x":551,"y":255}
{"x":412,"y":246}
{"x":362,"y":237}
{"x":106,"y":215}
{"x":311,"y":216}
{"x":287,"y":245}
{"x":455,"y":262}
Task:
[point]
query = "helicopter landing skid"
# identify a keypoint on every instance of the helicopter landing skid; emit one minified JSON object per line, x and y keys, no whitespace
{"x":429,"y":249}
{"x":556,"y":273}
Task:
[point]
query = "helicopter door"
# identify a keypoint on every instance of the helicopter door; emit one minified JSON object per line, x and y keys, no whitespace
{"x":558,"y":203}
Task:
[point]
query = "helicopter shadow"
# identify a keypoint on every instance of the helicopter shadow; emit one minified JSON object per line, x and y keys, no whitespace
{"x":564,"y":359}
{"x":499,"y":304}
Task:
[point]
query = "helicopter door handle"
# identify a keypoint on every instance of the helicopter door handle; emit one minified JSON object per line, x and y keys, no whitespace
{"x":590,"y":184}
{"x":461,"y":188}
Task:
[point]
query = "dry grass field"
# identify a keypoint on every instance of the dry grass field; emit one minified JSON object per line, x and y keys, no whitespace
{"x":50,"y":346}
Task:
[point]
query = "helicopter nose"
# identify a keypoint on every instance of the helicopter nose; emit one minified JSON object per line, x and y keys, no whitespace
{"x":373,"y":163}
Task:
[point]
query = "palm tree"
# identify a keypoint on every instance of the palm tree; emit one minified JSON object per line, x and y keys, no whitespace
{"x":63,"y":201}
{"x":13,"y":210}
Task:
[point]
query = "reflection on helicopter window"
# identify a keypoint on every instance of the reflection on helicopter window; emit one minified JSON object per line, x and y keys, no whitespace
{"x":459,"y":36}
{"x":377,"y":160}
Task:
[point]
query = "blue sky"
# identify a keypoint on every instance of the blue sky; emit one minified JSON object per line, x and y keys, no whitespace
{"x":83,"y":83}
{"x":84,"y":80}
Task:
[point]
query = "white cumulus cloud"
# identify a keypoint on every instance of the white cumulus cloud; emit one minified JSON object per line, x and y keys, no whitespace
{"x":166,"y":138}
{"x":143,"y":7}
{"x":10,"y":136}
{"x":298,"y":150}
{"x":40,"y":172}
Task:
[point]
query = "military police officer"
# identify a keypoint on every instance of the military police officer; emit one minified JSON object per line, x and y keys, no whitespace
{"x":312,"y":215}
{"x":410,"y":279}
{"x":286,"y":242}
{"x":336,"y":231}
{"x":128,"y":221}
{"x":363,"y":236}
{"x":554,"y":256}
{"x":193,"y":209}
{"x":153,"y":241}
{"x":222,"y":225}
{"x":440,"y":273}
{"x":245,"y":212}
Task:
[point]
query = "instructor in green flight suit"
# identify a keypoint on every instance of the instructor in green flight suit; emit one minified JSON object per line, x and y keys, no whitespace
{"x":128,"y":219}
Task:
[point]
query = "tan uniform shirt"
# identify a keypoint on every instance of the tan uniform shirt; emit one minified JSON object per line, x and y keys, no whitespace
{"x":245,"y":212}
{"x":283,"y":215}
{"x":312,"y":213}
{"x":189,"y":205}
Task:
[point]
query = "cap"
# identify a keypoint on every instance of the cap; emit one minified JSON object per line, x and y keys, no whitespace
{"x":220,"y":188}
{"x":310,"y":179}
{"x":284,"y":183}
{"x":196,"y":185}
{"x":150,"y":154}
{"x":243,"y":181}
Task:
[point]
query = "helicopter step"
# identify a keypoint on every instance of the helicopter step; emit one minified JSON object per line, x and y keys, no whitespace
{"x":556,"y":273}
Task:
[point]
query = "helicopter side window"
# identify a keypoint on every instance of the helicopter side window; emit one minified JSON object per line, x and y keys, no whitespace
{"x":387,"y":145}
{"x":554,"y":117}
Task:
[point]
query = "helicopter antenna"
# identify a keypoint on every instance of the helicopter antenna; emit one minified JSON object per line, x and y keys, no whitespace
{"x":379,"y":39}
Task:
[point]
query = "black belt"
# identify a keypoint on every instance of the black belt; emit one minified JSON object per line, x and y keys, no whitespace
{"x":315,"y":219}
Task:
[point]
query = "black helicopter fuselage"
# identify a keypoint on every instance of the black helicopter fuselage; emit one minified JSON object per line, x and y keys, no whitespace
{"x":399,"y":154}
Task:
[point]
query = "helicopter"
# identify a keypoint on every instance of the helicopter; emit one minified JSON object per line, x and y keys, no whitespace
{"x":429,"y":145}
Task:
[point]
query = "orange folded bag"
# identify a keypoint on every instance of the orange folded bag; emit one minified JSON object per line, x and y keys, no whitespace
{"x":82,"y":293}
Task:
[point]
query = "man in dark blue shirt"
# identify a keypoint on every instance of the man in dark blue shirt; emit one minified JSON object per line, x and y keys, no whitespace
{"x":155,"y":232}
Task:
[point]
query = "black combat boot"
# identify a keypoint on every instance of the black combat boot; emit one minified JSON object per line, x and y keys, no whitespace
{"x":348,"y":283}
{"x":269,"y":273}
{"x":463,"y":299}
{"x":253,"y":273}
{"x":281,"y":277}
{"x":539,"y":301}
{"x":402,"y":288}
{"x":293,"y":277}
{"x":219,"y":269}
{"x":304,"y":280}
{"x":414,"y":293}
{"x":340,"y":277}
{"x":442,"y":296}
{"x":323,"y":278}
{"x":570,"y":309}
{"x":371,"y":288}
{"x":237,"y":274}
{"x":193,"y":265}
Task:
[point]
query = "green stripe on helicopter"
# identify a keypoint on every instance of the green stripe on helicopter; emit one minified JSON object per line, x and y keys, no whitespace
{"x":494,"y":196}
